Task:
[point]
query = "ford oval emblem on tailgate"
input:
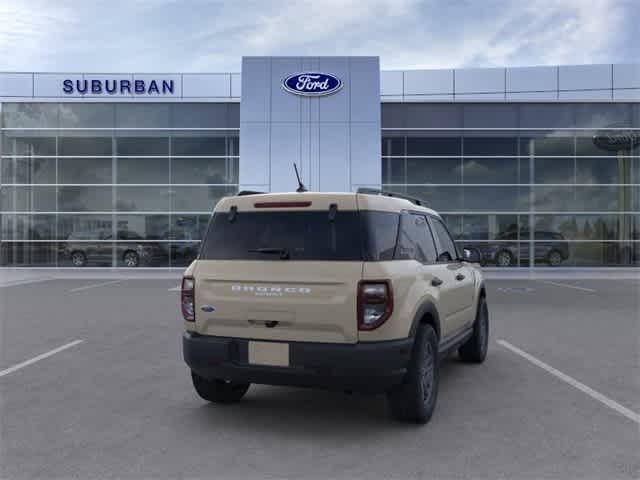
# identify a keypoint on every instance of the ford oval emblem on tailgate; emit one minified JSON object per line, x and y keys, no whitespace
{"x":207,"y":308}
{"x":313,"y":84}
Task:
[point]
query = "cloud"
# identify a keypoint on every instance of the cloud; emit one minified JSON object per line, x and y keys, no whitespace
{"x":202,"y":35}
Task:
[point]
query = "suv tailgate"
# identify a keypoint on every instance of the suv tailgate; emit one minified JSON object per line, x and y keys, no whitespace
{"x":311,"y":301}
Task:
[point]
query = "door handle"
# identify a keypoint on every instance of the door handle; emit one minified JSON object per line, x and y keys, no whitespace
{"x":436,"y":282}
{"x":459,"y":277}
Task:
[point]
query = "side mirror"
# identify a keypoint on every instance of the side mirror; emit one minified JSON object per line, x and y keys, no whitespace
{"x":472,"y":255}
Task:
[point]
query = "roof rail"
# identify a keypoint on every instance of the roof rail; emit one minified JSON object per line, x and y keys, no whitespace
{"x":375,"y":191}
{"x":242,"y":193}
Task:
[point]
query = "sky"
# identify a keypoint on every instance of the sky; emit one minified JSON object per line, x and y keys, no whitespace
{"x":164,"y":36}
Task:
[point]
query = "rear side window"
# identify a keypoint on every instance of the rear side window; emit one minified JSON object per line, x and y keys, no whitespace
{"x":302,"y":235}
{"x":414,"y":240}
{"x":444,"y":243}
{"x":380,"y":230}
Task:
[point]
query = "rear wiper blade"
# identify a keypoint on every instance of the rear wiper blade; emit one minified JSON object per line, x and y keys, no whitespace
{"x":283,"y":252}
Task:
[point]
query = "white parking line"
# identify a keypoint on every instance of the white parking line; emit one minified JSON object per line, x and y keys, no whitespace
{"x":24,"y":282}
{"x":39,"y":357}
{"x":612,"y":404}
{"x":95,"y":285}
{"x":175,"y":289}
{"x":568,"y":286}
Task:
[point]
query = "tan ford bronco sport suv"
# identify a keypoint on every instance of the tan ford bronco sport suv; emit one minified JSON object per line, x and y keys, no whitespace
{"x":353,"y":291}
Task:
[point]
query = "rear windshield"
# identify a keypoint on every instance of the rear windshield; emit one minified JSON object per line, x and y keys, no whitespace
{"x":351,"y":236}
{"x":283,"y":235}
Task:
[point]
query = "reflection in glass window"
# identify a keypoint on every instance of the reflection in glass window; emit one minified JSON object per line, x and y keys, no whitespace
{"x":204,"y":170}
{"x":603,"y":170}
{"x":434,"y":170}
{"x":84,"y":199}
{"x":434,"y":146}
{"x":84,"y":170}
{"x":146,"y":146}
{"x":28,"y":227}
{"x":27,"y":199}
{"x":30,"y":115}
{"x":14,"y":143}
{"x":143,"y":199}
{"x":559,"y":198}
{"x":142,"y":170}
{"x":600,"y":199}
{"x":598,"y":115}
{"x":547,"y":146}
{"x":25,"y":254}
{"x":495,"y":198}
{"x":201,"y":115}
{"x":28,"y":170}
{"x":475,"y":227}
{"x":442,"y":199}
{"x":85,"y":146}
{"x":143,"y":115}
{"x":590,"y":254}
{"x":148,"y":227}
{"x":490,"y":146}
{"x":503,"y":226}
{"x":188,"y":227}
{"x":183,"y":253}
{"x":554,"y":170}
{"x":193,"y":146}
{"x":501,"y":254}
{"x":198,"y":199}
{"x":77,"y":252}
{"x":393,"y":146}
{"x":84,"y":227}
{"x":588,"y":227}
{"x":89,"y":115}
{"x":394,"y":170}
{"x":490,"y":170}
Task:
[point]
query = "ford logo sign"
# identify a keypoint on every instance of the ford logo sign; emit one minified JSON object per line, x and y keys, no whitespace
{"x":312,"y":84}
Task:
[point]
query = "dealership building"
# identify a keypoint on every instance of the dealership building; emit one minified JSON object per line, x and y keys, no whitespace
{"x":535,"y":166}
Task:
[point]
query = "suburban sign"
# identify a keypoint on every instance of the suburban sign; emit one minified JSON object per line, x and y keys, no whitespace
{"x":100,"y":86}
{"x":312,"y":84}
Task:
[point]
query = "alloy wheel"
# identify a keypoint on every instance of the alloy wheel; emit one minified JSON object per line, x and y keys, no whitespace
{"x":428,"y":373}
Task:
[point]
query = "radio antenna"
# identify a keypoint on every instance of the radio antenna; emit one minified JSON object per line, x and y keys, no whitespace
{"x":301,"y":187}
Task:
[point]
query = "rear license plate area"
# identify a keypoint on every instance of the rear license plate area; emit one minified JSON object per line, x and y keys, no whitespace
{"x":273,"y":354}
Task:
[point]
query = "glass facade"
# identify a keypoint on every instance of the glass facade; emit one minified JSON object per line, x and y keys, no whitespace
{"x":133,"y":185}
{"x":527,"y":184}
{"x":112,"y":184}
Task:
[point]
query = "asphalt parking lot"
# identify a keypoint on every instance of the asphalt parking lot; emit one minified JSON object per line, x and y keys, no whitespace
{"x":558,"y":397}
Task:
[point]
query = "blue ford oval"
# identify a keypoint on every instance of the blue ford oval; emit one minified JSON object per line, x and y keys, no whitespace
{"x":312,"y":84}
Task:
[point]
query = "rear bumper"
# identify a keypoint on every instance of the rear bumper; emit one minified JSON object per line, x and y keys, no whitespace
{"x":373,"y":367}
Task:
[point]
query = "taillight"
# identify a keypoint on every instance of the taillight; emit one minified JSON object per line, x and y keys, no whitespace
{"x":375,"y":303}
{"x":187,"y":299}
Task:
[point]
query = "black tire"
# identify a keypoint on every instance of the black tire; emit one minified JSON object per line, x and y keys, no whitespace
{"x":475,"y":349}
{"x":415,"y":400}
{"x":554,"y":258}
{"x":218,"y":391}
{"x":78,"y":259}
{"x":130,"y":259}
{"x":504,"y":258}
